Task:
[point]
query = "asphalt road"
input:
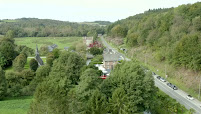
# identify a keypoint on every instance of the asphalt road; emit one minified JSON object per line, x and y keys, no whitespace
{"x":179,"y":95}
{"x":109,"y":47}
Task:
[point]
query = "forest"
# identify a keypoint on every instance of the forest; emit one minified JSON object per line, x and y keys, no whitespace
{"x":175,"y":31}
{"x":33,"y":27}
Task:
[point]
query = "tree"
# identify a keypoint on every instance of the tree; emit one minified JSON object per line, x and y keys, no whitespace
{"x":139,"y":87}
{"x":2,"y":60}
{"x":118,"y":104}
{"x":13,"y":83}
{"x":96,"y":51}
{"x":7,"y":50}
{"x":41,"y":74}
{"x":33,"y":64}
{"x":10,"y":34}
{"x":3,"y":84}
{"x":97,"y":103}
{"x":51,"y":94}
{"x":118,"y":31}
{"x":50,"y":58}
{"x":19,"y":62}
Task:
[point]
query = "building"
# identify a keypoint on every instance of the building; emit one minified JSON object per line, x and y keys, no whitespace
{"x":88,"y":40}
{"x":110,"y":60}
{"x":52,"y":47}
{"x":37,"y":57}
{"x":66,"y":48}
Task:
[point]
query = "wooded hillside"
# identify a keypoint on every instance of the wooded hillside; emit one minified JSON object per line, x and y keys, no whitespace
{"x":33,"y":27}
{"x":175,"y":31}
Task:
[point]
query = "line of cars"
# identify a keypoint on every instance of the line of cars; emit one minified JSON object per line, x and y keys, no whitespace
{"x":189,"y":97}
{"x":163,"y":80}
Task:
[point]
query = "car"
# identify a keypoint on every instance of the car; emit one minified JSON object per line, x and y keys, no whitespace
{"x":158,"y":77}
{"x":162,"y":79}
{"x":169,"y":84}
{"x":153,"y":73}
{"x":174,"y":87}
{"x":189,"y":97}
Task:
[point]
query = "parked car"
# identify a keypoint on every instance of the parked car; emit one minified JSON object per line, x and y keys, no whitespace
{"x":175,"y":87}
{"x":169,"y":84}
{"x":162,"y":79}
{"x":153,"y":73}
{"x":189,"y":97}
{"x":158,"y":77}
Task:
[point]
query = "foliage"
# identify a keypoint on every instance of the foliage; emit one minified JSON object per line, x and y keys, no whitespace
{"x":3,"y":84}
{"x":175,"y":31}
{"x":139,"y":87}
{"x":10,"y":34}
{"x":25,"y":50}
{"x":43,"y":50}
{"x":96,"y":51}
{"x":118,"y":31}
{"x":33,"y":27}
{"x":51,"y":93}
{"x":7,"y":51}
{"x":19,"y":62}
{"x":33,"y":64}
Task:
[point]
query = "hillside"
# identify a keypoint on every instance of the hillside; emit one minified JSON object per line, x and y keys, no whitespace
{"x":33,"y":27}
{"x":170,"y":36}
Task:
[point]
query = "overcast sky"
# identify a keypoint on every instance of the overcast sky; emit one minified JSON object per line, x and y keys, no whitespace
{"x":82,"y":10}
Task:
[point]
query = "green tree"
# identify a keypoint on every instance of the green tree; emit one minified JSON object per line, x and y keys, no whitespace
{"x":139,"y":87}
{"x":13,"y":83}
{"x":19,"y":62}
{"x":50,"y":58}
{"x":10,"y":34}
{"x":97,"y":103}
{"x":33,"y":64}
{"x":118,"y":104}
{"x":118,"y":31}
{"x":7,"y":50}
{"x":95,"y":51}
{"x":3,"y":84}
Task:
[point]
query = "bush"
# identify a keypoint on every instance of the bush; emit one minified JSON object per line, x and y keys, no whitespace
{"x":3,"y":85}
{"x":19,"y":62}
{"x":33,"y":64}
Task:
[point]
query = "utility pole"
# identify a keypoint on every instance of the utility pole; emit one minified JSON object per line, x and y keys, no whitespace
{"x":199,"y":89}
{"x":165,"y":71}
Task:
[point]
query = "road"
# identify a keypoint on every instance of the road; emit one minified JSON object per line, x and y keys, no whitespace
{"x":179,"y":95}
{"x":34,"y":57}
{"x":115,"y":50}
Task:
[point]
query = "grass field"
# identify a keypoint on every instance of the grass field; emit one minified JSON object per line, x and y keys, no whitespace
{"x":40,"y":41}
{"x":17,"y":105}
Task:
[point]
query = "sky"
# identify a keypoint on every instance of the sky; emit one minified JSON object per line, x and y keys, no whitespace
{"x":82,"y":10}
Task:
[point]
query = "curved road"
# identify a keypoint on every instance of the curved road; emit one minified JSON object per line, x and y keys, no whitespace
{"x":179,"y":95}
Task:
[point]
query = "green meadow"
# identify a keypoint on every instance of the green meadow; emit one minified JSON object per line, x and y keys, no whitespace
{"x":42,"y":41}
{"x":16,"y":105}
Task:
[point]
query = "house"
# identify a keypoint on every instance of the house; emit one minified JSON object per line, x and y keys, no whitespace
{"x":110,"y":60}
{"x":37,"y":57}
{"x":88,"y":40}
{"x":52,"y":47}
{"x":66,"y":48}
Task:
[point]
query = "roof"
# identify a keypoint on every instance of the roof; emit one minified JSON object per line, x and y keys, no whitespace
{"x":110,"y":57}
{"x":39,"y":60}
{"x":66,"y":48}
{"x":52,"y":47}
{"x":37,"y":57}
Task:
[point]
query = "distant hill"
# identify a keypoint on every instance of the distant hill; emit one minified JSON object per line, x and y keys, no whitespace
{"x":101,"y":23}
{"x":33,"y":27}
